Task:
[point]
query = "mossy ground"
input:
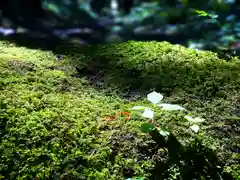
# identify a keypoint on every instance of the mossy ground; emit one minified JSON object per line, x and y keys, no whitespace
{"x":52,"y":112}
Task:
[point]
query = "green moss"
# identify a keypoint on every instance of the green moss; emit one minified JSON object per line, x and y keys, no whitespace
{"x":52,"y":118}
{"x":159,"y":65}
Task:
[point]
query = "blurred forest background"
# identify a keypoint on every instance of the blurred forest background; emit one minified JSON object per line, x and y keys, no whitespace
{"x":201,"y":24}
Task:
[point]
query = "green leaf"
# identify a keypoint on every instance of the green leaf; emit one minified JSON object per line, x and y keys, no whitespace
{"x":147,"y":127}
{"x":204,"y":13}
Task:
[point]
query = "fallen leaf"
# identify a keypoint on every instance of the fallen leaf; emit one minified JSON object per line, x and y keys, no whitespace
{"x":109,"y":118}
{"x":125,"y":114}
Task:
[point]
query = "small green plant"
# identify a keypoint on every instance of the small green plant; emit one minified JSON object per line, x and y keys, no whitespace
{"x":155,"y":98}
{"x":160,"y":135}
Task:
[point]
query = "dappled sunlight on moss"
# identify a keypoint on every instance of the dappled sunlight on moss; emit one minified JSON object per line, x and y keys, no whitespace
{"x":53,"y":118}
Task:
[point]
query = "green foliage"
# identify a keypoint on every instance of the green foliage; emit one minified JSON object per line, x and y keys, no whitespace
{"x":204,"y":13}
{"x":52,"y":121}
{"x":147,"y":127}
{"x":48,"y":131}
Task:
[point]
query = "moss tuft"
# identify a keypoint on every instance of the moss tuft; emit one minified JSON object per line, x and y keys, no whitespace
{"x":52,"y":116}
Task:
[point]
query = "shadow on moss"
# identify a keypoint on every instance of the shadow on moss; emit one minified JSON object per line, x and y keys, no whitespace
{"x":192,"y":162}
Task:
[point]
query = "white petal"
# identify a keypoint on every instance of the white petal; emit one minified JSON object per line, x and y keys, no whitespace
{"x":171,"y":107}
{"x":164,"y":133}
{"x":195,"y":128}
{"x":195,"y":120}
{"x":138,"y":108}
{"x":148,"y":113}
{"x":198,"y":120}
{"x":189,"y":118}
{"x":154,"y":97}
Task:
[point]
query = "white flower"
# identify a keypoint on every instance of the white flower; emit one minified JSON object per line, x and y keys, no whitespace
{"x":154,"y":97}
{"x":195,"y":128}
{"x":148,"y":113}
{"x":164,"y":133}
{"x":195,"y":120}
{"x":171,"y":107}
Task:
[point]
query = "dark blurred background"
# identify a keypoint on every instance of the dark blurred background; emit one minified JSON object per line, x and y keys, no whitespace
{"x":49,"y":23}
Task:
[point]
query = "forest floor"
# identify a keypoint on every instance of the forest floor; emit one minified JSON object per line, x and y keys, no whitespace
{"x":61,"y":112}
